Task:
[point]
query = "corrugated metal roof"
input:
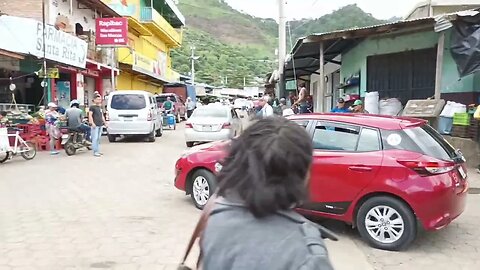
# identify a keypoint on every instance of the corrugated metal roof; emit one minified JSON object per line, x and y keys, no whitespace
{"x":372,"y":26}
{"x":325,"y":35}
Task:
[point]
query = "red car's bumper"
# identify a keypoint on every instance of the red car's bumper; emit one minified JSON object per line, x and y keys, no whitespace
{"x":445,"y":202}
{"x":181,"y":174}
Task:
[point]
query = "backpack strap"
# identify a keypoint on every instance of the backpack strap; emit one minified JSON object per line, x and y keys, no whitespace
{"x":199,"y":228}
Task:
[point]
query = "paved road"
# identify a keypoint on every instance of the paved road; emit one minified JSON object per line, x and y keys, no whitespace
{"x":121,"y":211}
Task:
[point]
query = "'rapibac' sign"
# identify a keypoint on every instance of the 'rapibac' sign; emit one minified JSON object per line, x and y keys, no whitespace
{"x":111,"y":32}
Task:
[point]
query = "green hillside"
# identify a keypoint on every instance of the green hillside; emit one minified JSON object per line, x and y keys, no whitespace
{"x":346,"y":17}
{"x":233,"y":46}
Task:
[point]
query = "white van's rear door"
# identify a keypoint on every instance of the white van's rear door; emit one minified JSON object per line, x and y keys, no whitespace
{"x":128,"y":107}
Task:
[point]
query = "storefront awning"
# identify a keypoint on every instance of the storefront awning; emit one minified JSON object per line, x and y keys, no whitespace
{"x":101,"y":66}
{"x":17,"y":56}
{"x":140,"y":72}
{"x":305,"y":56}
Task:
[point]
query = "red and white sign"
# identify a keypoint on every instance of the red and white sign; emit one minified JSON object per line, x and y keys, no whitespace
{"x":111,"y":31}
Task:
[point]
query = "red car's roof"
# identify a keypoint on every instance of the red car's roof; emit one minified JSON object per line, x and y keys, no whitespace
{"x":370,"y":120}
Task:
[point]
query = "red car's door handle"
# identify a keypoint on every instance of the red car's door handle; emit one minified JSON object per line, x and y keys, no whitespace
{"x":359,"y":168}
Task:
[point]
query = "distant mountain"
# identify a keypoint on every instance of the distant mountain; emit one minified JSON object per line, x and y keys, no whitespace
{"x":346,"y":17}
{"x":235,"y":47}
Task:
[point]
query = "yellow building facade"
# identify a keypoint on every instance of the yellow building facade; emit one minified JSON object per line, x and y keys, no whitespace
{"x":146,"y":63}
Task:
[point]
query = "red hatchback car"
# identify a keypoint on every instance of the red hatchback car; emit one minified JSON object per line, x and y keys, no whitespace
{"x":383,"y":175}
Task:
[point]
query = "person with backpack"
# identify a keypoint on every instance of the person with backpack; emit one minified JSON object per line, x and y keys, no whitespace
{"x":251,"y":224}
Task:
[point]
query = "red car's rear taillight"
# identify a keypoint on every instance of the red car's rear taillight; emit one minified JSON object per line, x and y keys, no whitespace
{"x":226,"y":126}
{"x":188,"y":125}
{"x":426,"y":168}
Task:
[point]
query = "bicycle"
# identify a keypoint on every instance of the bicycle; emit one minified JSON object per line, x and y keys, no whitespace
{"x":26,"y":149}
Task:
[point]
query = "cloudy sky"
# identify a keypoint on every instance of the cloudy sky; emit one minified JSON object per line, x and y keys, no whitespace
{"x":296,"y":9}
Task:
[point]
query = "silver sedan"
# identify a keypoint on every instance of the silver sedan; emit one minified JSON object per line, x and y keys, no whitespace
{"x":212,"y":123}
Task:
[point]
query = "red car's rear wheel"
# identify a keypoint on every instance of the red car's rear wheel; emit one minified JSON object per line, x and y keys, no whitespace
{"x":386,"y":223}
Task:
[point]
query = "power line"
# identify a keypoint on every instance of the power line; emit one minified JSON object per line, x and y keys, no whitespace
{"x":306,"y":20}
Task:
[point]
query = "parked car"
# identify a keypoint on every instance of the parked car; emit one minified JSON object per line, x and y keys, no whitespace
{"x":213,"y":122}
{"x":382,"y":175}
{"x":178,"y":104}
{"x":133,"y":113}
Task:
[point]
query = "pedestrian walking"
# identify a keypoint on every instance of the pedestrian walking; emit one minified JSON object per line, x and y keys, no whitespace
{"x":251,"y":224}
{"x":97,"y":121}
{"x":51,"y":125}
{"x":190,"y":107}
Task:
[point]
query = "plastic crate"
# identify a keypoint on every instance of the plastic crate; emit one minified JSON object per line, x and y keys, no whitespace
{"x":461,"y":119}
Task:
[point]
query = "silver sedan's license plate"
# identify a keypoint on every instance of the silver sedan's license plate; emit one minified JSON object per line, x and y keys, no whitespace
{"x":207,"y":128}
{"x":462,"y":172}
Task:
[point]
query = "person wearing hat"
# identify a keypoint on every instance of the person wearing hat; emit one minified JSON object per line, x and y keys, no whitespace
{"x":340,"y":107}
{"x":51,"y":120}
{"x":358,"y":107}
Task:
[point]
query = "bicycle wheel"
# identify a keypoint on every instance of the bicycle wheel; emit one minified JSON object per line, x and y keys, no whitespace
{"x":4,"y":156}
{"x":28,"y":151}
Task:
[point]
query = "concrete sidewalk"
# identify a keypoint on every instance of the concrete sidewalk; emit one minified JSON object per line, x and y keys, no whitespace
{"x":473,"y":178}
{"x":346,"y":255}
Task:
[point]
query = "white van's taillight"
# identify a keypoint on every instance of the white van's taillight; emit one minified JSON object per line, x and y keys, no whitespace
{"x":226,"y":126}
{"x":150,"y":115}
{"x":107,"y":116}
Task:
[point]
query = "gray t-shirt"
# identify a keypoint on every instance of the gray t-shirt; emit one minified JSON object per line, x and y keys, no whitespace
{"x":97,"y":115}
{"x":74,"y":117}
{"x":234,"y":239}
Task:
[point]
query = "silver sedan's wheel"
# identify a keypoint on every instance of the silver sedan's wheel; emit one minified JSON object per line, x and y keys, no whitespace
{"x":203,"y":184}
{"x":384,"y":224}
{"x":201,"y":190}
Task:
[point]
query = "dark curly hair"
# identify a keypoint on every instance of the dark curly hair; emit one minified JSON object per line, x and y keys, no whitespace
{"x":267,"y":166}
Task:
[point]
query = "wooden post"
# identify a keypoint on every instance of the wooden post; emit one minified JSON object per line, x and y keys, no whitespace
{"x":439,"y":69}
{"x":321,"y":82}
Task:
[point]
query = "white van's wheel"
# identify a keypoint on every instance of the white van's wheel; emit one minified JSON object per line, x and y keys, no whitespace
{"x":159,"y":132}
{"x":151,"y":136}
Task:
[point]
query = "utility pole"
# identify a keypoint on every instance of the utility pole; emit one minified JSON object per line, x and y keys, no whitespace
{"x":193,"y":58}
{"x":282,"y":47}
{"x":44,"y":83}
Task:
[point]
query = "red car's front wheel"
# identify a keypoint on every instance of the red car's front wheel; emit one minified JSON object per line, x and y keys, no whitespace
{"x":203,"y":186}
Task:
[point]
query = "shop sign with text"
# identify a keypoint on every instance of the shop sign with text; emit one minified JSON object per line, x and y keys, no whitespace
{"x":24,"y":35}
{"x":111,"y":31}
{"x":143,"y":64}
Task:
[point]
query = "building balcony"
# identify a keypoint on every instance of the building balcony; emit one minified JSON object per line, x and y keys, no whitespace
{"x":160,"y":27}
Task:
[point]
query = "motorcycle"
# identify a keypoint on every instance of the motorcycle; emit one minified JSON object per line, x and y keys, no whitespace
{"x":75,"y":140}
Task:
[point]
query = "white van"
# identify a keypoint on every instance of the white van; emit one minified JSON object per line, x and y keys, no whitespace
{"x":133,"y":113}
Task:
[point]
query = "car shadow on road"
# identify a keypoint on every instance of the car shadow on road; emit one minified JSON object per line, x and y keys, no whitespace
{"x":424,"y":241}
